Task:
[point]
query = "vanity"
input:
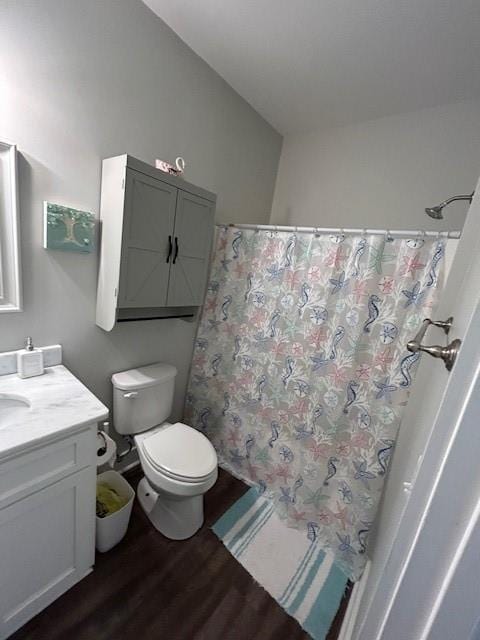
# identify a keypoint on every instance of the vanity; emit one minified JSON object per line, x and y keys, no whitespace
{"x":48,"y":427}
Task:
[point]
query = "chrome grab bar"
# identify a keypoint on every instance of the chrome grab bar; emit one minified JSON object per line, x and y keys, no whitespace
{"x":448,"y":353}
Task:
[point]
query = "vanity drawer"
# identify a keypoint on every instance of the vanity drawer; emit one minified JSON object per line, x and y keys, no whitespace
{"x":31,"y":471}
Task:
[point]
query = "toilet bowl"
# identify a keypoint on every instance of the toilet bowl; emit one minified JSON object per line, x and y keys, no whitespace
{"x":180,"y":466}
{"x":179,"y":463}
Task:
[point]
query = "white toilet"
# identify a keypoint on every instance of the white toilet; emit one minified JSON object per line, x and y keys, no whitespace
{"x":179,"y":463}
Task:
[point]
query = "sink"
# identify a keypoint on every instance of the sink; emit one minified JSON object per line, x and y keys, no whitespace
{"x":12,"y":406}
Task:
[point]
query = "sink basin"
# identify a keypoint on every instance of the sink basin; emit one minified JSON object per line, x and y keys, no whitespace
{"x":12,"y":407}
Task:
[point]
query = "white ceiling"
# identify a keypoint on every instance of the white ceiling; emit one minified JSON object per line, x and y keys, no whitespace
{"x":308,"y":64}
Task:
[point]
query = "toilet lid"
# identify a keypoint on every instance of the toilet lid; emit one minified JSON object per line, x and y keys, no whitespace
{"x":180,"y":452}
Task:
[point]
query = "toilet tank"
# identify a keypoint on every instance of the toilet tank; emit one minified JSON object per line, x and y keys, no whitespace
{"x":142,"y":398}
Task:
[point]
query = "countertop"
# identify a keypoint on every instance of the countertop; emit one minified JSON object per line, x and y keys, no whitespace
{"x":59,"y":403}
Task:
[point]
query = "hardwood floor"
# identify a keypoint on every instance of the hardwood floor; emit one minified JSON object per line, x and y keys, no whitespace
{"x":151,"y":588}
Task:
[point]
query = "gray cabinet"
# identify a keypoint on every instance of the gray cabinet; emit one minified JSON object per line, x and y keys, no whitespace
{"x":156,"y":239}
{"x":192,"y":241}
{"x":149,"y":219}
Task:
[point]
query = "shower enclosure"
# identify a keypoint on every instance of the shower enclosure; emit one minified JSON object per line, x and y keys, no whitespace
{"x":300,"y":372}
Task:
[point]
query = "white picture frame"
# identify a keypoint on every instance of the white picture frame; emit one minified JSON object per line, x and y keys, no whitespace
{"x":10,"y":264}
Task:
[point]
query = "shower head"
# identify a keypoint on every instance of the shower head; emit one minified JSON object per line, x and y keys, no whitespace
{"x":436,"y":212}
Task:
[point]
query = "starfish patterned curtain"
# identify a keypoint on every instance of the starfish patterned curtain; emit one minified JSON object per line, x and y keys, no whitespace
{"x":300,"y":372}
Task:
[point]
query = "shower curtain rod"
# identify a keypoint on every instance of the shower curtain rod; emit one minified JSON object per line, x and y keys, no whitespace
{"x":393,"y":233}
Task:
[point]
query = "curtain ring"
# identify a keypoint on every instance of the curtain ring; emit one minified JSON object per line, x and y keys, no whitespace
{"x":316,"y":232}
{"x":364,"y":232}
{"x":421,"y":234}
{"x":388,"y":236}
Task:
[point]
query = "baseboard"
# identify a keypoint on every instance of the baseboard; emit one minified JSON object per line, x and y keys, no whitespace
{"x":346,"y":632}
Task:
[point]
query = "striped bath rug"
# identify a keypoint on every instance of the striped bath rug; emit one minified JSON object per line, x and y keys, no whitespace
{"x":298,"y":573}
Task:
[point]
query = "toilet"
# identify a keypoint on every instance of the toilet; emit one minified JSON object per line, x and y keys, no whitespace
{"x":179,"y":463}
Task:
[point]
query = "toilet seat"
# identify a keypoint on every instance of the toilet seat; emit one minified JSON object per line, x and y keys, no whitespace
{"x":181,"y":453}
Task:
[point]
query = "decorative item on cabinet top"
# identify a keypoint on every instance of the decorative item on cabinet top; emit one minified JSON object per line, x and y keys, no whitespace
{"x":156,"y":239}
{"x":176,"y":169}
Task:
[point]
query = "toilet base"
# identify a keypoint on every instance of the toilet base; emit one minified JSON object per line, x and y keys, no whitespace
{"x":177,"y":518}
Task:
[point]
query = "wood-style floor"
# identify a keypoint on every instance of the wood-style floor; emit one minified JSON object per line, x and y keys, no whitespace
{"x":151,"y":588}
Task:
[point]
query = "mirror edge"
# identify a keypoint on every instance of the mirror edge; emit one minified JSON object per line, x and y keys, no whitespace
{"x":11,"y":221}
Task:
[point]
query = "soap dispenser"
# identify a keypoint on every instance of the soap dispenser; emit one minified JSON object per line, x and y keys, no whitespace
{"x":29,"y":361}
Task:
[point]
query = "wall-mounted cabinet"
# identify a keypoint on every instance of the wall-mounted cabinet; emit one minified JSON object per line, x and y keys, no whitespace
{"x":157,"y":235}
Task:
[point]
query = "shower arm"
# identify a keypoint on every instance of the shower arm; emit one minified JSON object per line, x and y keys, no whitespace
{"x":436,"y":211}
{"x":468,"y":197}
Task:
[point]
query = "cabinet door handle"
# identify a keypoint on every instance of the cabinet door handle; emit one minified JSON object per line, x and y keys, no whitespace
{"x":176,"y":250}
{"x":169,"y":248}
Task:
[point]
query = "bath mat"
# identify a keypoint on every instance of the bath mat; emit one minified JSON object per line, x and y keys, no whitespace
{"x":297,"y":572}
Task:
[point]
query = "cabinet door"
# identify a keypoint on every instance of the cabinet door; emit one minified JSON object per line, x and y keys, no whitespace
{"x":147,"y":224}
{"x":193,"y":238}
{"x":47,"y":544}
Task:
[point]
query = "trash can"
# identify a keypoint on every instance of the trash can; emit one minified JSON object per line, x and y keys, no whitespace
{"x":111,"y":528}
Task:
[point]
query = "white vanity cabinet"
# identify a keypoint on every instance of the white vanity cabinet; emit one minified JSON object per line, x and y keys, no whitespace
{"x":157,"y":233}
{"x":47,"y":524}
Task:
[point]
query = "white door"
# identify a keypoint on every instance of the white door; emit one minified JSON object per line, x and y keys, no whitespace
{"x":416,"y":537}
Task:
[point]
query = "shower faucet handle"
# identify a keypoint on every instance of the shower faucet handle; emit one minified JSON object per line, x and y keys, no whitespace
{"x":448,"y":353}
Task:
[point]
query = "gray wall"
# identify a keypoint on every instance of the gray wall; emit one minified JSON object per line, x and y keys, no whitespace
{"x":381,"y":173}
{"x":86,"y":79}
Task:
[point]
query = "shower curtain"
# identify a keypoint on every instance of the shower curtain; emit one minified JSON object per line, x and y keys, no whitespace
{"x":300,"y":373}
